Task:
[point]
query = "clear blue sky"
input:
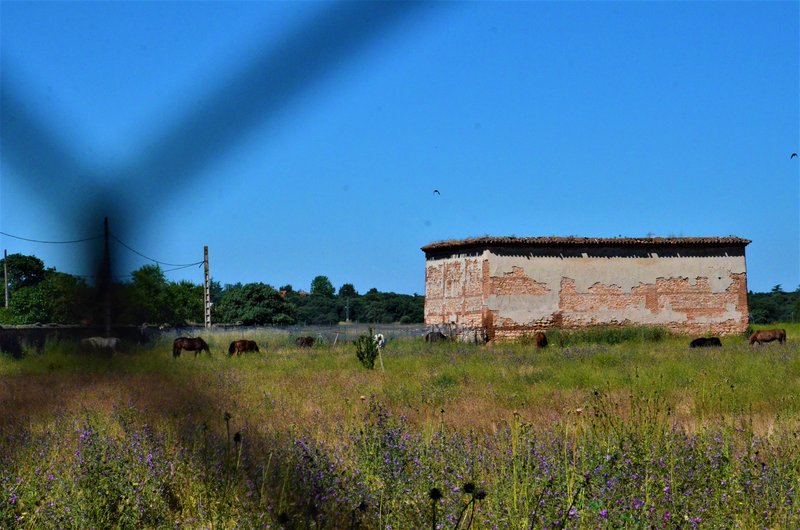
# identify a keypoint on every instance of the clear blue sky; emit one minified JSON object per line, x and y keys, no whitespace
{"x":305,"y":139}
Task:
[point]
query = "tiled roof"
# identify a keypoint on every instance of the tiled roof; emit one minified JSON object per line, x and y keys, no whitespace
{"x":585,"y":242}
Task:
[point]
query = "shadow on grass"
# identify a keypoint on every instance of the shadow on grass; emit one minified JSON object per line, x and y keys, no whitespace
{"x":154,"y":441}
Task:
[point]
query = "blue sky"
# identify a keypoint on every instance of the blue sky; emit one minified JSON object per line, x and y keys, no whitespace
{"x":299,"y":139}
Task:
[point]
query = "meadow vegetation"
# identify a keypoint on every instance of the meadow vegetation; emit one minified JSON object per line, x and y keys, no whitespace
{"x":602,"y":429}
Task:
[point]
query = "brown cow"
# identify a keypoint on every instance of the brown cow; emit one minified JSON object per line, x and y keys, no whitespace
{"x":541,"y":339}
{"x":304,"y":342}
{"x":240,"y":346}
{"x":196,"y":344}
{"x":768,"y":335}
{"x":706,"y":342}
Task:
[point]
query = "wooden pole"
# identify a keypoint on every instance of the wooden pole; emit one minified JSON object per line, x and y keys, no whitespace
{"x":5,"y":273}
{"x":106,"y":278}
{"x":206,"y":289}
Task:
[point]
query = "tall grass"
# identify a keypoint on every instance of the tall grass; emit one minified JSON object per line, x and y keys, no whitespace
{"x":641,"y":433}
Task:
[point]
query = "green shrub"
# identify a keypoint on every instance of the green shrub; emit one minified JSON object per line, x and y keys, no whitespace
{"x":366,"y":349}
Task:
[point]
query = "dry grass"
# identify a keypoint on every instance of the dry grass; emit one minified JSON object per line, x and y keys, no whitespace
{"x":478,"y":389}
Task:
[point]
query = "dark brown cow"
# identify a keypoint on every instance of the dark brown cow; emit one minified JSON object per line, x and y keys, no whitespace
{"x":768,"y":335}
{"x":304,"y":342}
{"x":541,"y":339}
{"x":195,"y":344}
{"x":706,"y":342}
{"x":240,"y":346}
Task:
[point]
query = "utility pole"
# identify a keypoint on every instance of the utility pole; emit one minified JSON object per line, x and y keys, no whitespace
{"x":206,"y":289}
{"x":106,"y":278}
{"x":5,"y":273}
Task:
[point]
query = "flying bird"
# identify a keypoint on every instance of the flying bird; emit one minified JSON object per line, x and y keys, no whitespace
{"x":436,"y":192}
{"x":794,"y":155}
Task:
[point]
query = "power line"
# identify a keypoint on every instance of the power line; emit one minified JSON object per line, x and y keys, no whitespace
{"x":52,"y":242}
{"x":178,"y":265}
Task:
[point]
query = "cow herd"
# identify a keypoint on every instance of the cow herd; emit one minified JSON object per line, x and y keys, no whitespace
{"x":471,"y":336}
{"x":758,"y":337}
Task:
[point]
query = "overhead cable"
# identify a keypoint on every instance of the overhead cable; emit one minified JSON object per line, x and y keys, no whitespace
{"x":52,"y":242}
{"x":179,"y":265}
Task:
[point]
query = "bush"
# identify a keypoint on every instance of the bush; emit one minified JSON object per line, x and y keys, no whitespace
{"x":366,"y":350}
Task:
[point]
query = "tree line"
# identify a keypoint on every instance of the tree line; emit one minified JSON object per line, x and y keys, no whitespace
{"x":44,"y":295}
{"x":774,"y":306}
{"x":39,"y":294}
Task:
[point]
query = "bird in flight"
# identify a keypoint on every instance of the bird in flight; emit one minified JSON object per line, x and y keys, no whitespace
{"x":436,"y":192}
{"x":794,"y":155}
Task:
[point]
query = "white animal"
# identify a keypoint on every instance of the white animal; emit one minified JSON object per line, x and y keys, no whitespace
{"x":379,"y":340}
{"x":102,"y":343}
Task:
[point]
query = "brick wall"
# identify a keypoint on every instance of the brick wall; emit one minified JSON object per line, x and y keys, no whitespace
{"x":514,"y":294}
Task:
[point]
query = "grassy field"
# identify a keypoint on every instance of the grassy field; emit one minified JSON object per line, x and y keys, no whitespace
{"x":604,"y":429}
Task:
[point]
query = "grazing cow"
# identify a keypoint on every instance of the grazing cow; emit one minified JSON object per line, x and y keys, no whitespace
{"x":108,"y":344}
{"x":706,"y":342}
{"x":768,"y":335}
{"x":196,"y":345}
{"x":304,"y":342}
{"x":541,"y":339}
{"x":435,"y":336}
{"x":240,"y":346}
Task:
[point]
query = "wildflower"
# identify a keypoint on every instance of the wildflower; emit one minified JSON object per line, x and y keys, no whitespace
{"x":13,"y":499}
{"x":435,"y":494}
{"x":480,"y":495}
{"x":604,"y":513}
{"x":469,"y":487}
{"x":237,"y":437}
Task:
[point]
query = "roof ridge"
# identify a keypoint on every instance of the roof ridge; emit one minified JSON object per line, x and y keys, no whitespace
{"x":576,"y":241}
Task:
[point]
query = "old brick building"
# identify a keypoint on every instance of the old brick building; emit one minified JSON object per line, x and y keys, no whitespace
{"x":514,"y":285}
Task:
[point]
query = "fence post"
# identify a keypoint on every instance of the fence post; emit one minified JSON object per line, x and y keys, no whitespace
{"x":206,"y":289}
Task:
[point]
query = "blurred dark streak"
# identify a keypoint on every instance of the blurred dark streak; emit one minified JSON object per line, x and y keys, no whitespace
{"x":82,"y":196}
{"x":26,"y":145}
{"x":268,"y":84}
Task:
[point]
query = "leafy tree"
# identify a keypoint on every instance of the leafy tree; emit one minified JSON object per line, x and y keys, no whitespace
{"x":348,"y":303}
{"x":317,"y":309}
{"x":216,"y":292}
{"x":29,"y":305}
{"x":69,"y":297}
{"x":23,"y":270}
{"x":58,"y":298}
{"x":774,"y":306}
{"x":185,"y":301}
{"x":254,"y":304}
{"x":322,"y":286}
{"x":347,"y":290}
{"x":145,"y":298}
